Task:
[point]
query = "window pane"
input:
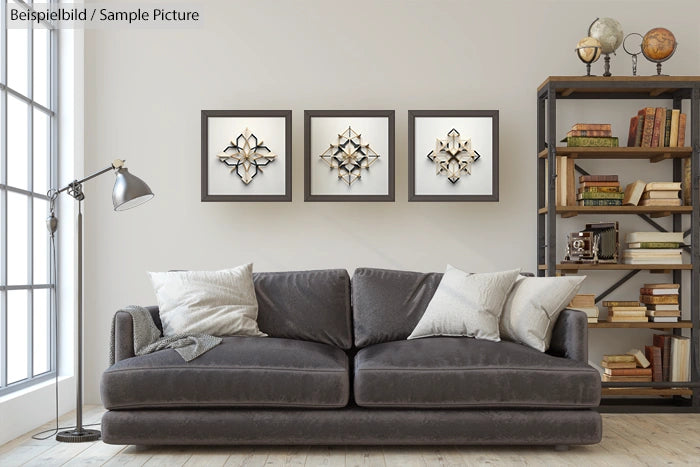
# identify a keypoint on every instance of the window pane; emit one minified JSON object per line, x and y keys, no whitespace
{"x":42,"y":329}
{"x":17,"y":59}
{"x":17,"y":244}
{"x":16,"y":335}
{"x":41,"y":242}
{"x":41,"y":152}
{"x":17,"y":139}
{"x":41,"y":65}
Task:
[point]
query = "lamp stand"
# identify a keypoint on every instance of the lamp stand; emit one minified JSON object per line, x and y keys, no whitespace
{"x":79,"y":434}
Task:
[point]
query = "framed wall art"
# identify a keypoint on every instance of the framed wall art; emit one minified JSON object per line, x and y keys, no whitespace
{"x":246,"y":155}
{"x":349,"y":155}
{"x":453,"y":155}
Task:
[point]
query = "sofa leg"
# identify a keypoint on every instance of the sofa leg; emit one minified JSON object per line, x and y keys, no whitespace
{"x":561,"y":447}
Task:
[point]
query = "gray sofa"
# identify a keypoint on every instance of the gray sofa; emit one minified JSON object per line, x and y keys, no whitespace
{"x":337,"y":369}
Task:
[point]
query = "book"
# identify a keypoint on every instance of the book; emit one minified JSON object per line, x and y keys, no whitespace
{"x":667,"y":129}
{"x":640,"y":129}
{"x":646,"y":291}
{"x":651,"y":186}
{"x":582,"y":300}
{"x":663,"y":319}
{"x":591,"y":311}
{"x":592,"y":126}
{"x":648,"y":130}
{"x":592,"y":141}
{"x":664,"y":313}
{"x":598,"y":178}
{"x":618,"y":358}
{"x":680,"y":359}
{"x":656,"y":299}
{"x":676,"y":237}
{"x":661,"y":194}
{"x":653,"y":354}
{"x":616,"y":365}
{"x":675,"y":116}
{"x":600,"y":202}
{"x":625,"y":379}
{"x":659,"y":121}
{"x":633,"y":193}
{"x":661,"y":307}
{"x":681,"y":130}
{"x":570,"y":185}
{"x":610,"y":303}
{"x":599,"y":195}
{"x":652,"y":252}
{"x":660,"y":260}
{"x":619,"y":309}
{"x":639,"y":357}
{"x":627,"y":319}
{"x":561,"y":180}
{"x":653,"y":245}
{"x":660,"y":202}
{"x":592,"y":319}
{"x":628,"y":371}
{"x":607,"y":133}
{"x":609,"y":184}
{"x":663,"y":341}
{"x":685,"y":191}
{"x":600,"y":189}
{"x":632,"y":135}
{"x":666,"y":285}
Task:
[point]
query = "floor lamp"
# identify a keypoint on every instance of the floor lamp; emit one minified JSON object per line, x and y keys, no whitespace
{"x":129,"y":191}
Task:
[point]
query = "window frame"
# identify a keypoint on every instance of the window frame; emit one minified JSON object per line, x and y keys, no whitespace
{"x":52,"y":171}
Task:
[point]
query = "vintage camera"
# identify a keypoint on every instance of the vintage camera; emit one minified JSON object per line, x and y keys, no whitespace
{"x":597,"y":243}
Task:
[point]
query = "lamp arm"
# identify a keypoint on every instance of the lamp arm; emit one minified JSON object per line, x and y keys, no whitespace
{"x":117,"y":164}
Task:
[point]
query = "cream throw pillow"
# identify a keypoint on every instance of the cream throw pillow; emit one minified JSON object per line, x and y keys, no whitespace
{"x":220,"y":303}
{"x":533,"y":307}
{"x":466,"y":305}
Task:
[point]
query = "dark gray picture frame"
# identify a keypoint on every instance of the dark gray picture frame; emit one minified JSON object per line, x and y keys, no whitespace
{"x":287,"y":114}
{"x":412,"y":114}
{"x":309,"y":114}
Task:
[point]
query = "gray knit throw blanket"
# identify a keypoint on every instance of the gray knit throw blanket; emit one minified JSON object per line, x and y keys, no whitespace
{"x":147,"y":337}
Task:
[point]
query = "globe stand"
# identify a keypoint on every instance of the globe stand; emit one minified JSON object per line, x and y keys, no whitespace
{"x":607,"y":66}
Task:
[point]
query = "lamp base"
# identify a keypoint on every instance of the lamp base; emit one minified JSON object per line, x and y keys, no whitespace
{"x":75,"y":436}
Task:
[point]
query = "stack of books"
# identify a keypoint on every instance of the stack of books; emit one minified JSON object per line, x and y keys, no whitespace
{"x":655,"y":127}
{"x":653,"y":248}
{"x":661,"y":301}
{"x":661,"y":194}
{"x":629,"y":367}
{"x":626,"y":311}
{"x":670,"y":357}
{"x":585,"y":303}
{"x":599,"y":190}
{"x":591,"y":135}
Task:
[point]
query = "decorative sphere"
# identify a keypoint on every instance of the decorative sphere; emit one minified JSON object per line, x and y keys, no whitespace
{"x":658,"y":44}
{"x":588,"y":49}
{"x":609,"y":32}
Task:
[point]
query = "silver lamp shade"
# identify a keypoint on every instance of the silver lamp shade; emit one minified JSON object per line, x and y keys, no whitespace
{"x":129,"y":191}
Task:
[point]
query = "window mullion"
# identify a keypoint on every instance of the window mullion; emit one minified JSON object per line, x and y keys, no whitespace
{"x":3,"y":200}
{"x":30,"y":215}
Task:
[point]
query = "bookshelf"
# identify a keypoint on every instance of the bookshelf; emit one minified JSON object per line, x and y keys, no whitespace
{"x":626,"y":397}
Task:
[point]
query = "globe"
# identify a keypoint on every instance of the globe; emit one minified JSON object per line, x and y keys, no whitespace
{"x":658,"y":44}
{"x":609,"y":32}
{"x":588,"y":49}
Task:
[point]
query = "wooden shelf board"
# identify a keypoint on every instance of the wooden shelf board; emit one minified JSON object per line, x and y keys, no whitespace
{"x":646,"y":391}
{"x":653,"y":154}
{"x":654,"y":211}
{"x":645,"y":85}
{"x":648,"y":325}
{"x":616,"y":267}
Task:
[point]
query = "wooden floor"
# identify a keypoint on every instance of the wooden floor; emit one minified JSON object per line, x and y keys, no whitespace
{"x":627,"y":440}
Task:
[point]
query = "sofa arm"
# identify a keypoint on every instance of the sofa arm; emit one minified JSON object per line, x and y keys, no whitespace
{"x":570,"y":336}
{"x":124,"y":333}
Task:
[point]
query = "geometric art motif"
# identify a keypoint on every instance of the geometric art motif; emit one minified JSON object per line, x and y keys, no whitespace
{"x":247,"y":156}
{"x":453,"y":156}
{"x":349,"y":156}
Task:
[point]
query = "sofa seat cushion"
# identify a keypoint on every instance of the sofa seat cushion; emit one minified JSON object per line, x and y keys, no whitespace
{"x":240,"y":372}
{"x":461,"y":372}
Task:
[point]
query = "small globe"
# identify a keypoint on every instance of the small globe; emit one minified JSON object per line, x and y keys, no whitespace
{"x":609,"y":32}
{"x":588,"y":49}
{"x":658,"y":44}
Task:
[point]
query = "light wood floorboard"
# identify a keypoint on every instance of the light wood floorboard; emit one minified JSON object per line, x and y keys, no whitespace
{"x":628,"y":439}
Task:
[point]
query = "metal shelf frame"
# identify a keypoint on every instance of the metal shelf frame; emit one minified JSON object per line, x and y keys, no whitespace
{"x":677,"y":89}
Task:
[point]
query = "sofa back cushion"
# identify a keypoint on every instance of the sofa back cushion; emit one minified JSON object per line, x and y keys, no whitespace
{"x":388,"y":304}
{"x":306,"y":305}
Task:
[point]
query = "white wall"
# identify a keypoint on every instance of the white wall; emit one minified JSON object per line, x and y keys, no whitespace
{"x":145,"y":89}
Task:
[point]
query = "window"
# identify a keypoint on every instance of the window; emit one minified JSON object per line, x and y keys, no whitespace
{"x":27,"y":171}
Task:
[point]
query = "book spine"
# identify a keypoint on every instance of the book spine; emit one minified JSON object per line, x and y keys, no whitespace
{"x":610,"y":303}
{"x":592,"y":126}
{"x":600,"y":202}
{"x":570,"y":182}
{"x":598,"y":184}
{"x":640,"y":129}
{"x":657,"y":245}
{"x":600,"y":189}
{"x":659,"y":120}
{"x":592,"y":142}
{"x":645,"y":291}
{"x":589,"y":133}
{"x":597,"y":178}
{"x":667,"y":129}
{"x":600,"y":195}
{"x":659,"y":299}
{"x":634,"y":121}
{"x":648,"y":127}
{"x":673,"y":140}
{"x":681,"y":130}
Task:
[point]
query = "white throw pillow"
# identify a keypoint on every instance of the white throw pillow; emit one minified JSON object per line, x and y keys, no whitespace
{"x":466,"y":305}
{"x":533,"y":307}
{"x":220,"y":303}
